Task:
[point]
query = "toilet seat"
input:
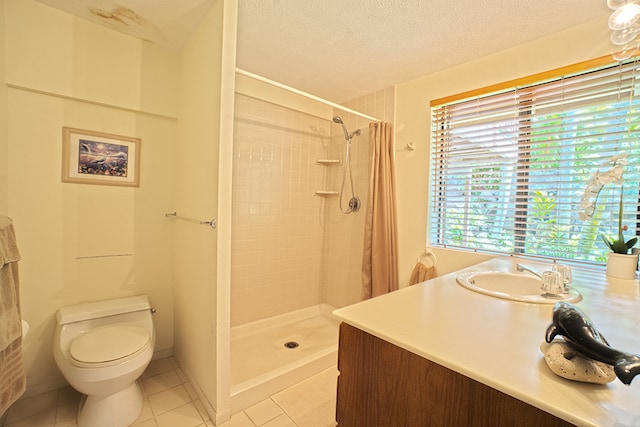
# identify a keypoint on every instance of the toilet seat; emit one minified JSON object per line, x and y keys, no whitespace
{"x":108,"y":345}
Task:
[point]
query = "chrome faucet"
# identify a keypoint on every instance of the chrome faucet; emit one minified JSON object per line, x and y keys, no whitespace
{"x":554,"y":282}
{"x":522,"y":268}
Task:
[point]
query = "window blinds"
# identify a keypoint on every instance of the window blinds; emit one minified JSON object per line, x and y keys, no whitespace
{"x":508,"y":169}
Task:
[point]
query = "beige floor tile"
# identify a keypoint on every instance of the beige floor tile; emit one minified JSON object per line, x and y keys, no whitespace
{"x":67,"y":414}
{"x":25,"y":408}
{"x":145,"y":414}
{"x":191,"y":391}
{"x":167,"y":400}
{"x":237,"y":420}
{"x":280,"y":421}
{"x":160,"y":366}
{"x":184,"y":416}
{"x":200,"y":407}
{"x":43,"y":419}
{"x":181,"y":375}
{"x":312,"y":402}
{"x":147,"y":423}
{"x":68,"y":395}
{"x":160,"y":382}
{"x":264,"y":411}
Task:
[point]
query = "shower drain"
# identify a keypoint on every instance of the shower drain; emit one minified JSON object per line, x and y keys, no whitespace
{"x":291,"y":344}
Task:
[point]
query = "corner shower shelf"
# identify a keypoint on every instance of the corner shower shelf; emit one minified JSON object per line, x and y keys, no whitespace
{"x":326,"y":193}
{"x":328,"y":161}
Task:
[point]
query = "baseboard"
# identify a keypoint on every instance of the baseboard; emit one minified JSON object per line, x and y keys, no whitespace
{"x":217,"y":417}
{"x":34,"y":390}
{"x":162,"y":354}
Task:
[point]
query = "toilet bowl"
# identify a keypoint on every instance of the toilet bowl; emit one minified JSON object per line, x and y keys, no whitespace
{"x":102,"y":348}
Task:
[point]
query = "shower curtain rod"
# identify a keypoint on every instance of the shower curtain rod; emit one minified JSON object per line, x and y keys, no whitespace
{"x":305,"y":94}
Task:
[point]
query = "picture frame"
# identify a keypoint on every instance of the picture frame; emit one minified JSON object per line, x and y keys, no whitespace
{"x":90,"y":157}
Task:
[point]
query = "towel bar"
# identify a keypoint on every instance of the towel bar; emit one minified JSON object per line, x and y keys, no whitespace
{"x":211,"y":223}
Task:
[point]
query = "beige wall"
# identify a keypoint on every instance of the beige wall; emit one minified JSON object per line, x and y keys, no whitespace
{"x":4,"y":112}
{"x":205,"y":135}
{"x":580,"y":43}
{"x":84,"y":242}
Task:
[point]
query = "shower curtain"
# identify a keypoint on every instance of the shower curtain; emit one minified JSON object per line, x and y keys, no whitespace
{"x":380,"y":255}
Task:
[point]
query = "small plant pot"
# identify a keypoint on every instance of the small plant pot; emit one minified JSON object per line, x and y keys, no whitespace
{"x":622,"y":266}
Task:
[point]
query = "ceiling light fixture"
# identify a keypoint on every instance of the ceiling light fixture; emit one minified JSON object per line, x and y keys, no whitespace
{"x":624,"y":23}
{"x":622,"y":37}
{"x":615,"y":4}
{"x":624,"y":16}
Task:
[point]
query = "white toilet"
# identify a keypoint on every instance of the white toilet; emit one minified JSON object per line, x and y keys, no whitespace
{"x":102,"y":348}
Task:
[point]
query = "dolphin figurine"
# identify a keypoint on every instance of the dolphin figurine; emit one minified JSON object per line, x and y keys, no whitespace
{"x":580,"y":333}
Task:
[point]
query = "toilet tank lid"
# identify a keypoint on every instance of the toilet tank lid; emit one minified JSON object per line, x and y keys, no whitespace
{"x":94,"y":310}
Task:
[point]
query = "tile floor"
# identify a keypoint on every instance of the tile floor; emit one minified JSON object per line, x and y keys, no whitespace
{"x":170,"y":401}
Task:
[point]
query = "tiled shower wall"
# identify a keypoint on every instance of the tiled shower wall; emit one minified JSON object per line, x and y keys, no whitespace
{"x":290,"y":248}
{"x":276,"y":246}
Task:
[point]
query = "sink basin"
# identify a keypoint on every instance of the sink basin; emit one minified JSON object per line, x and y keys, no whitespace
{"x":512,"y":286}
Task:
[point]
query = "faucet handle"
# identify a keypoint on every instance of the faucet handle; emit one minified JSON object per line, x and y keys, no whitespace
{"x":552,"y":282}
{"x":565,"y":271}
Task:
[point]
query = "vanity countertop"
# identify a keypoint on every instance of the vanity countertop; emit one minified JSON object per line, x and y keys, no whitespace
{"x":497,"y":342}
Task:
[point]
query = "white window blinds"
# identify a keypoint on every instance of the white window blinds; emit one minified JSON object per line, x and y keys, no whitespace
{"x":508,"y":169}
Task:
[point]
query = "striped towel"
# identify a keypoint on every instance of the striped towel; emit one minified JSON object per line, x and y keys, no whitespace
{"x":12,"y":377}
{"x":13,"y":381}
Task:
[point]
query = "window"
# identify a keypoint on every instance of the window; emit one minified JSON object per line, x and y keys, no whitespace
{"x":508,"y":169}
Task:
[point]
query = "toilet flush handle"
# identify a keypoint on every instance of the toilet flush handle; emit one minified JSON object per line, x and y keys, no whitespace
{"x":153,"y":310}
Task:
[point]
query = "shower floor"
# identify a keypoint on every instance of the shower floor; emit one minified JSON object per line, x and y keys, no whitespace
{"x":262,"y":365}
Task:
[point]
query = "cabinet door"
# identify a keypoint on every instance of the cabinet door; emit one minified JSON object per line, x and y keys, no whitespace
{"x":383,"y":385}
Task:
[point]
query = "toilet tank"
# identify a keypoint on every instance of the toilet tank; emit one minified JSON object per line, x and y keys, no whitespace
{"x":96,"y":310}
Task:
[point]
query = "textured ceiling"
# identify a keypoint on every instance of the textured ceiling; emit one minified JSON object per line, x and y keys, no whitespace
{"x":340,"y":49}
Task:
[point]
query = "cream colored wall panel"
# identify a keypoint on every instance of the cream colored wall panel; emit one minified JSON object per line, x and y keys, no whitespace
{"x":4,"y":157}
{"x":38,"y":46}
{"x":158,"y":80}
{"x":53,"y":52}
{"x":36,"y":206}
{"x":106,"y":65}
{"x":196,"y":160}
{"x":81,"y":242}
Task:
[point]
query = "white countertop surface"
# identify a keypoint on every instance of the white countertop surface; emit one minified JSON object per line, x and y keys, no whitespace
{"x":496,"y":341}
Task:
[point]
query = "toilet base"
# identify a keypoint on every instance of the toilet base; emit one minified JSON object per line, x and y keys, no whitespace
{"x":119,"y":409}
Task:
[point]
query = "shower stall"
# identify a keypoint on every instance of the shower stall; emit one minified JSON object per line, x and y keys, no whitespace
{"x":295,"y":256}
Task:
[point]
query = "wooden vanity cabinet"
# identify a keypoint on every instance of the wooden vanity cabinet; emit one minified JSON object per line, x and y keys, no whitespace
{"x":383,"y":385}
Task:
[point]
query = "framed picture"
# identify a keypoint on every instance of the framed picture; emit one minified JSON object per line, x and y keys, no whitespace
{"x":100,"y":158}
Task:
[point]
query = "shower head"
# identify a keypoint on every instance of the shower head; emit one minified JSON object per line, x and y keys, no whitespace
{"x":347,"y":136}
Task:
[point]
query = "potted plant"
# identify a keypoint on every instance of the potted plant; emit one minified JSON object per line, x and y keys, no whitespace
{"x":620,"y":263}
